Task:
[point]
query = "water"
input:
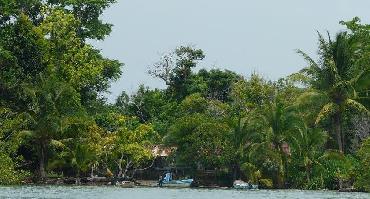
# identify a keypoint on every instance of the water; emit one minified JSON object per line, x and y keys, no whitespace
{"x":76,"y":192}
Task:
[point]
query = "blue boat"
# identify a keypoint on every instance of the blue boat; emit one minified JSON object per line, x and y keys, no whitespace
{"x":169,"y":182}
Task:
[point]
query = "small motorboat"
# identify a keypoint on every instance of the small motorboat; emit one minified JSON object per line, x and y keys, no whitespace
{"x":239,"y":184}
{"x":167,"y":181}
{"x":178,"y":183}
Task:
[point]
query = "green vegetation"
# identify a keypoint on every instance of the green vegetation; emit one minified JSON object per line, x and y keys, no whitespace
{"x":309,"y":130}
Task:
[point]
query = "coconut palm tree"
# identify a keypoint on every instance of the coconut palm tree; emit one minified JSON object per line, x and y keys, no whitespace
{"x":50,"y":103}
{"x":308,"y":144}
{"x":276,"y":122}
{"x":335,"y":76}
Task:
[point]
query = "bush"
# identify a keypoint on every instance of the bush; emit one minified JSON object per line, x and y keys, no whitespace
{"x":8,"y":173}
{"x":335,"y":168}
{"x":362,"y":179}
{"x":251,"y":172}
{"x":266,"y":183}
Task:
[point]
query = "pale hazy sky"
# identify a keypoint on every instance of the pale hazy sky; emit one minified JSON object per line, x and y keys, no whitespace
{"x":239,"y":35}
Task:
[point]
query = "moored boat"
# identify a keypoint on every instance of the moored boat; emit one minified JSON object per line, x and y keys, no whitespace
{"x":239,"y":184}
{"x":178,"y":183}
{"x":167,"y":181}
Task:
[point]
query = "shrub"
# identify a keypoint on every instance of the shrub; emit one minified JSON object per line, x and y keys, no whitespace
{"x":8,"y":174}
{"x":362,"y":179}
{"x":266,"y":183}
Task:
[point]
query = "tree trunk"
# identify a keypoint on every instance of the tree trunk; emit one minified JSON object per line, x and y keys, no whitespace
{"x":128,"y":165}
{"x":119,"y":164}
{"x":42,"y":160}
{"x":280,"y":178}
{"x":285,"y":164}
{"x":120,"y":170}
{"x":338,"y":131}
{"x":281,"y":170}
{"x":92,"y":171}
{"x":78,"y":179}
{"x":236,"y":171}
{"x":308,"y":171}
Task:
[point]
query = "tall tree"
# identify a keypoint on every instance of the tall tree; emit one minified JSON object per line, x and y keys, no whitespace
{"x":87,"y":12}
{"x":175,"y":69}
{"x":47,"y":67}
{"x":201,"y":134}
{"x":280,"y":121}
{"x":334,"y":77}
{"x":213,"y":84}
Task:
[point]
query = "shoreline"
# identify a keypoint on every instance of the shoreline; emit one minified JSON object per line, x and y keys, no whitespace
{"x":195,"y":188}
{"x":153,"y":184}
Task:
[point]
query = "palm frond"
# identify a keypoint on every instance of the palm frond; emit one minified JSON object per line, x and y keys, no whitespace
{"x":356,"y":106}
{"x":362,"y":81}
{"x":313,"y":66}
{"x":57,"y":144}
{"x":326,"y":111}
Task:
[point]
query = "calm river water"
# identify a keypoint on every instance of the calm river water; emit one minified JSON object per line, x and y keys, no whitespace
{"x":65,"y":192}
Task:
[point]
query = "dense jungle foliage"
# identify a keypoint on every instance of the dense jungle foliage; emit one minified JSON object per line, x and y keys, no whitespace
{"x":308,"y":130}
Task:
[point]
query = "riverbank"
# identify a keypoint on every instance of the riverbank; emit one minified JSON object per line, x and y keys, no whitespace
{"x":110,"y":182}
{"x":103,"y":181}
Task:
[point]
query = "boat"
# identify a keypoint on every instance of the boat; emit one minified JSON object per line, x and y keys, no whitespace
{"x":239,"y":184}
{"x":169,"y":182}
{"x":178,"y":183}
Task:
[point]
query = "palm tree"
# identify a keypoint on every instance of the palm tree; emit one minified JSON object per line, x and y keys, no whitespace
{"x":281,"y":120}
{"x":334,"y":77}
{"x":275,"y":123}
{"x":308,"y":144}
{"x":51,"y":103}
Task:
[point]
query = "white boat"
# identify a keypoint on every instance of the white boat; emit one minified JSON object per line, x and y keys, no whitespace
{"x":239,"y":184}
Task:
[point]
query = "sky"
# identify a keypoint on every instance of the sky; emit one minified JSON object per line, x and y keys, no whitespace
{"x":244,"y":36}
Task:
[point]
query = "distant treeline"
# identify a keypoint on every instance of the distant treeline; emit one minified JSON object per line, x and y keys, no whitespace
{"x":308,"y":130}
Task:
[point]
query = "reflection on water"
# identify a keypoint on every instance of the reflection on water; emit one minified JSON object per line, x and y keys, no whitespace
{"x":67,"y":192}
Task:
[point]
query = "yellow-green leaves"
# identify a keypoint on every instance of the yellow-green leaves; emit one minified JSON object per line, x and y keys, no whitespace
{"x":67,"y":55}
{"x":326,"y":111}
{"x":8,"y":174}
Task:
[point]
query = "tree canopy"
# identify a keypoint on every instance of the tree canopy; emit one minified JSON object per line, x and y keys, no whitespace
{"x":307,"y":130}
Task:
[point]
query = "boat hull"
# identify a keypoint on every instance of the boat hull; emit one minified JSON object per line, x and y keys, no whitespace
{"x":176,"y":185}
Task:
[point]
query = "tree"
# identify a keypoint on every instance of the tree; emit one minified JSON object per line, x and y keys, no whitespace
{"x":268,"y":149}
{"x":20,"y":61}
{"x":307,"y":147}
{"x":247,"y":99}
{"x":280,"y":121}
{"x":79,"y":148}
{"x":122,"y":102}
{"x":11,"y":125}
{"x":201,"y":142}
{"x":361,"y":33}
{"x":52,"y":102}
{"x":87,"y":12}
{"x":214,"y":84}
{"x":149,"y":106}
{"x":201,"y":134}
{"x":129,"y":147}
{"x":175,"y":69}
{"x":35,"y":40}
{"x":53,"y":69}
{"x":334,"y":77}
